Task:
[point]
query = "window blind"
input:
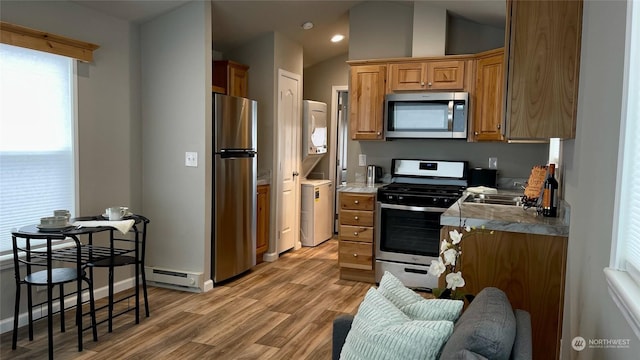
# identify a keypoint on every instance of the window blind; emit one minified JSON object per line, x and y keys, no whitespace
{"x":628,"y":236}
{"x":36,"y":137}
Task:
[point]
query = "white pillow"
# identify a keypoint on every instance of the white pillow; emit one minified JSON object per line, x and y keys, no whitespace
{"x":381,"y":331}
{"x":415,"y":306}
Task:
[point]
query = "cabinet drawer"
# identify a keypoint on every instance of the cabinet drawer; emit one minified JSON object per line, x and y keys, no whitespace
{"x":356,"y":217}
{"x":355,"y":255}
{"x":356,"y":233}
{"x":352,"y":201}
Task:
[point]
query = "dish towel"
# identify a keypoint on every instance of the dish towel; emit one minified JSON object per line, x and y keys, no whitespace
{"x":121,"y":225}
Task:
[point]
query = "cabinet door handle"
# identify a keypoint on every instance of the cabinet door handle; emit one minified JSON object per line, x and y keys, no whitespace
{"x":355,"y":255}
{"x":498,"y":126}
{"x":429,"y":83}
{"x":379,"y":133}
{"x":356,"y":202}
{"x":355,"y":233}
{"x":356,"y":218}
{"x":475,"y":133}
{"x":422,"y":83}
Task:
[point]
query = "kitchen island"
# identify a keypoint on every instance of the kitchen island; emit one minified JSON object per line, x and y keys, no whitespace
{"x":521,"y":253}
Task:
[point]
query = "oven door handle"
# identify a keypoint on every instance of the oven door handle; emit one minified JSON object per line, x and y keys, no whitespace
{"x":412,"y":208}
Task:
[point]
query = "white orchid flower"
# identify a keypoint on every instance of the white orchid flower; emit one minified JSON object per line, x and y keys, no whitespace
{"x":455,"y":236}
{"x":467,"y":228}
{"x":437,"y":268}
{"x":454,"y":280}
{"x":444,"y":245}
{"x":450,"y":256}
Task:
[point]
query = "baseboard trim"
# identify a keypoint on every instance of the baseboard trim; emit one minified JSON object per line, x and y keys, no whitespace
{"x":6,"y":325}
{"x":270,"y":256}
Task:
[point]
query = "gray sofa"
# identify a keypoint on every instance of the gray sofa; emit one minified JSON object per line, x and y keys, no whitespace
{"x":488,"y":329}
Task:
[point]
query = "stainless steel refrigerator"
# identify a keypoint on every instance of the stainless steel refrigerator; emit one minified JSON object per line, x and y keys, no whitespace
{"x":234,"y":195}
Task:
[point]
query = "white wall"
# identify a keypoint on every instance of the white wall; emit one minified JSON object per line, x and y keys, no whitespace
{"x":468,"y":37}
{"x":380,"y":29}
{"x":590,"y":177}
{"x":429,"y":29}
{"x":108,"y":112}
{"x":177,"y":105}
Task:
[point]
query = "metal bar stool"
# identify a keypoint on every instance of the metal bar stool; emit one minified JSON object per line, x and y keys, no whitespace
{"x":32,"y":256}
{"x":119,"y":256}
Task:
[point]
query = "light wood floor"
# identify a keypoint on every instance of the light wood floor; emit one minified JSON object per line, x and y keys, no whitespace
{"x":279,"y":310}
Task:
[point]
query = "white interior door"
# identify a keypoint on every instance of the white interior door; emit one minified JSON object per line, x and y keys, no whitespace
{"x":289,"y":127}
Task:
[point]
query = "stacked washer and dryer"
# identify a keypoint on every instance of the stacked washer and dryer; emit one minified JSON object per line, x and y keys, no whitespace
{"x":316,"y":222}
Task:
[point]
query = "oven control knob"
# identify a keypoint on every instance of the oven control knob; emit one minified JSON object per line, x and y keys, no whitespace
{"x":445,"y":201}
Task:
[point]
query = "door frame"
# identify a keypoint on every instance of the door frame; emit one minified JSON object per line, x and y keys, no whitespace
{"x":333,"y":144}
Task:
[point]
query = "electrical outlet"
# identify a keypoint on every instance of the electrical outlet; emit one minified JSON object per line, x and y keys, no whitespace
{"x":362,"y":160}
{"x":191,"y":159}
{"x":493,"y":163}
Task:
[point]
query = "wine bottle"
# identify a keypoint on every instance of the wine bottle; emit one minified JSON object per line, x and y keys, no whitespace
{"x":550,"y":194}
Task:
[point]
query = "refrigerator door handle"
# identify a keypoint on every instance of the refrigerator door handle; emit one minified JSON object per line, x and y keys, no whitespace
{"x":232,"y":153}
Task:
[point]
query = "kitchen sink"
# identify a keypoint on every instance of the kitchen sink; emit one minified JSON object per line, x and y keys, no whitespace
{"x":495,"y":199}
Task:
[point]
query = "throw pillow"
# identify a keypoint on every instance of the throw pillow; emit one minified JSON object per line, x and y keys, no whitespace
{"x":487,"y":327}
{"x":381,"y":331}
{"x":415,"y":306}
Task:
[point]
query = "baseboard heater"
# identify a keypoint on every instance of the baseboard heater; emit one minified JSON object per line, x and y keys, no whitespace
{"x":173,"y":278}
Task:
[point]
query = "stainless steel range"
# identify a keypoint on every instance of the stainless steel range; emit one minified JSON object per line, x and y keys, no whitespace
{"x":408,"y":217}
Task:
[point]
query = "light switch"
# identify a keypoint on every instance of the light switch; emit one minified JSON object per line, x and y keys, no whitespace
{"x":362,"y":160}
{"x":191,"y":159}
{"x":493,"y":163}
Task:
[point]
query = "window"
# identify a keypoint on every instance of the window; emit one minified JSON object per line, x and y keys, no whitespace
{"x":37,"y":124}
{"x":623,"y":276}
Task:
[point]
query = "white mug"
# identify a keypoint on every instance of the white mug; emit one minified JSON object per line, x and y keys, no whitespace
{"x":115,"y":213}
{"x":64,"y":213}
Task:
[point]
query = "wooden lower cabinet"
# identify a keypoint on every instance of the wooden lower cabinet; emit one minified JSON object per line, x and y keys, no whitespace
{"x":356,"y":237}
{"x":530,"y":269}
{"x":262,"y":226}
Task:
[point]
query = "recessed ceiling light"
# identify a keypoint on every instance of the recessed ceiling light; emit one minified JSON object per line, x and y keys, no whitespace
{"x":337,"y":38}
{"x":307,"y":25}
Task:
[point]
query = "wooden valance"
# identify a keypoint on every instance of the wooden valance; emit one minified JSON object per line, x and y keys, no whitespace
{"x":38,"y":40}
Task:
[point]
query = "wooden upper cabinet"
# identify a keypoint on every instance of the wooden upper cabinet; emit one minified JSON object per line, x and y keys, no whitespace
{"x":445,"y":75}
{"x":544,"y":62}
{"x":429,"y":75}
{"x":488,"y":107}
{"x":366,"y":98}
{"x":231,"y":78}
{"x":407,"y":76}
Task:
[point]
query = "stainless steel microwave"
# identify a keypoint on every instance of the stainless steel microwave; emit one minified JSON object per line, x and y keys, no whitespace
{"x":426,"y":115}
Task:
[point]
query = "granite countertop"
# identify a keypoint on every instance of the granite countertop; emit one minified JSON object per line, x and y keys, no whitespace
{"x":507,"y":218}
{"x":360,"y":188}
